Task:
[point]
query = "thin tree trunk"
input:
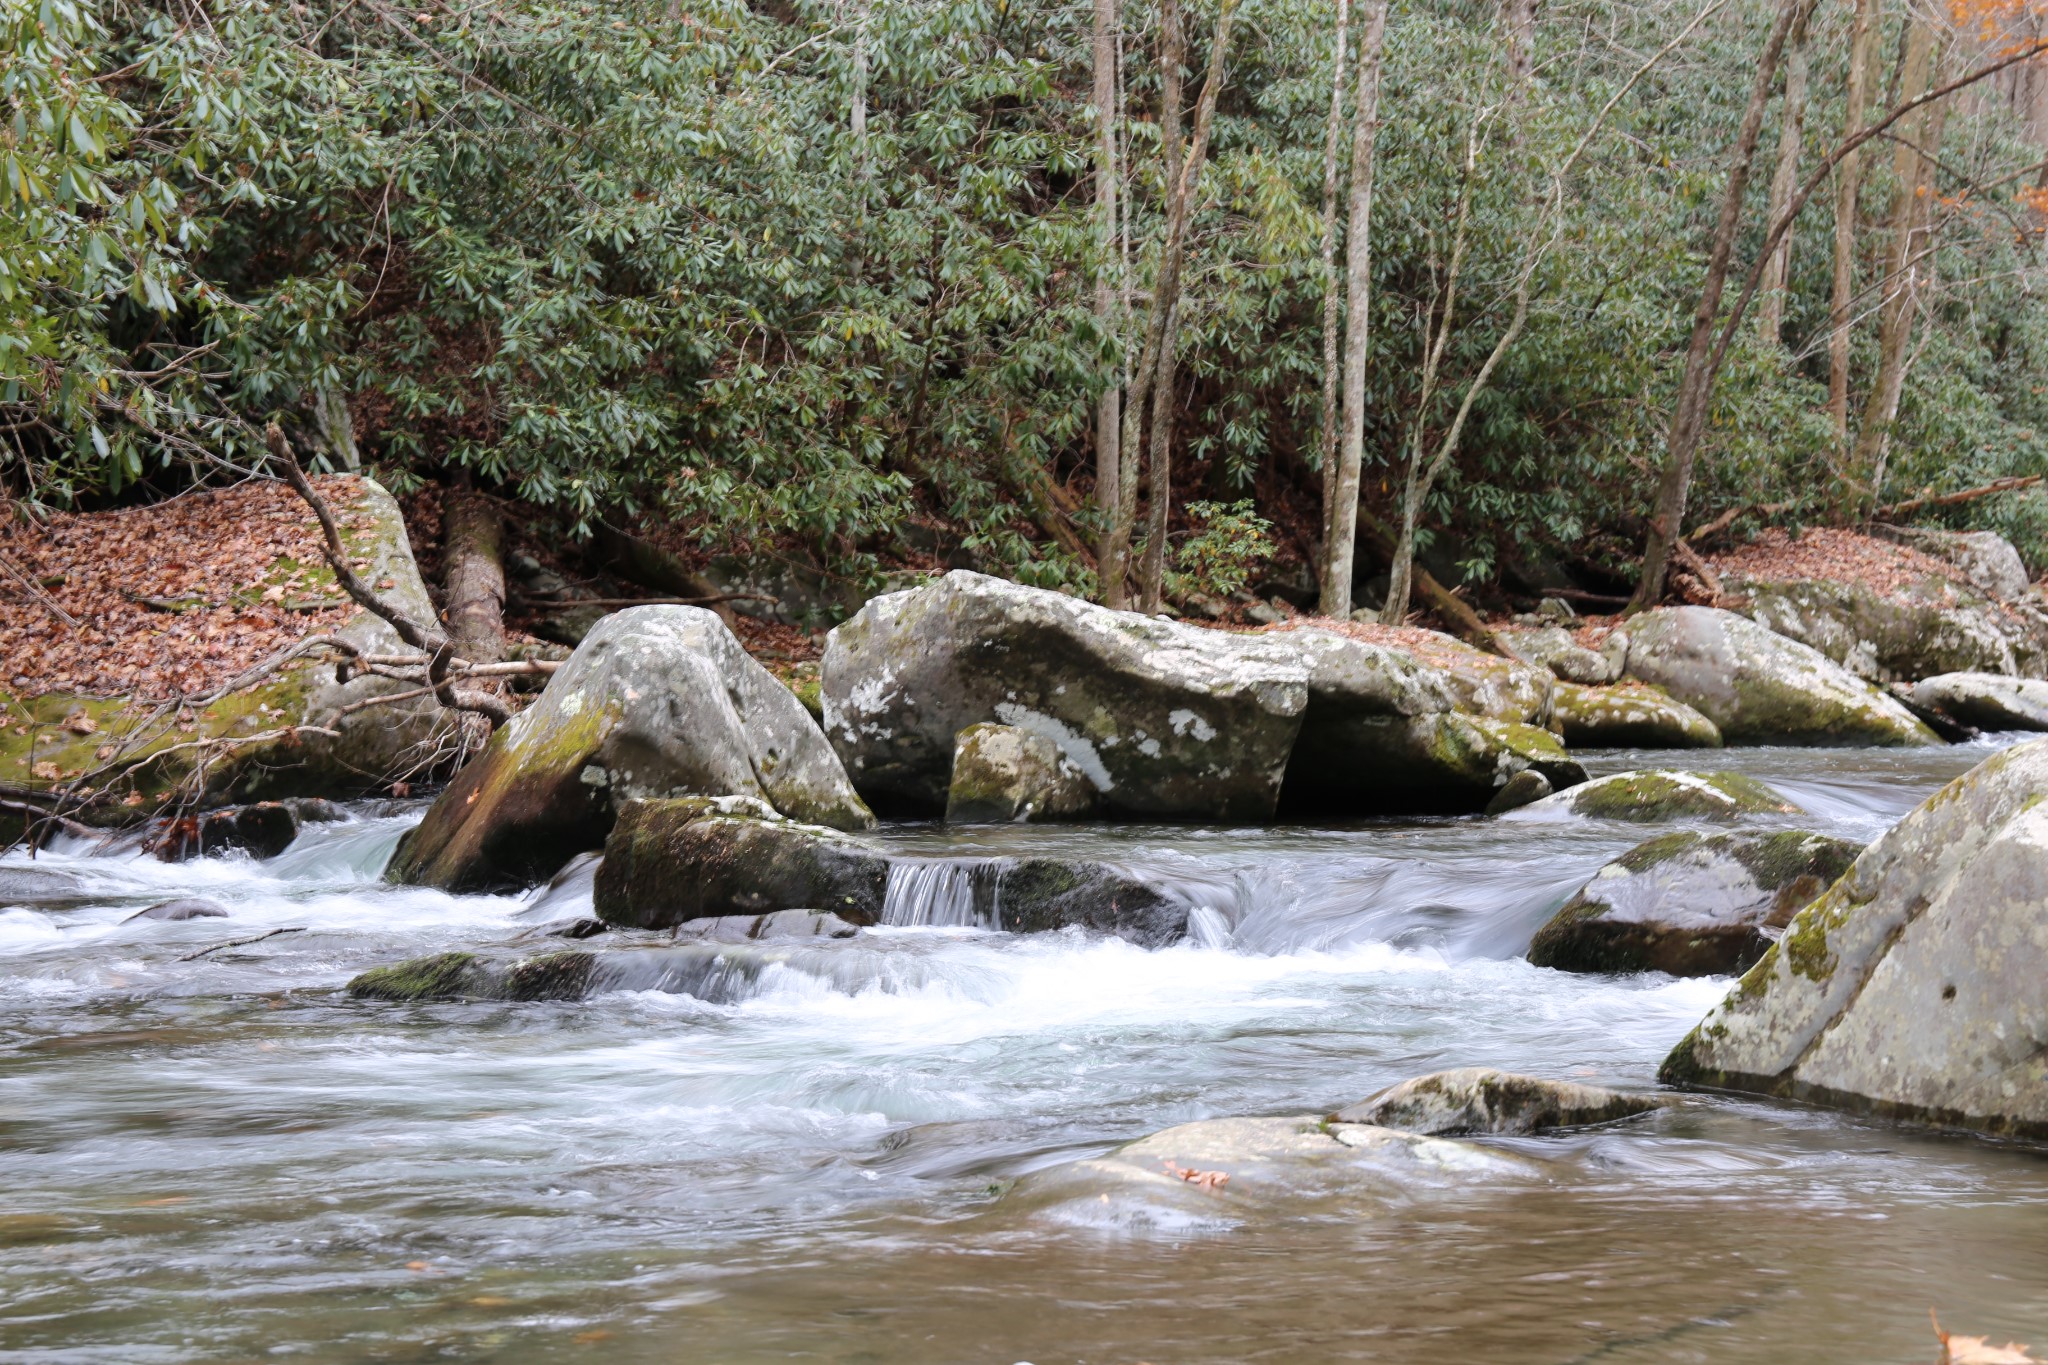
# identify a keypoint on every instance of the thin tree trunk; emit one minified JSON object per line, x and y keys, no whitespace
{"x":1696,"y":384}
{"x":1111,"y":551}
{"x":1159,"y":488}
{"x":1915,"y":172}
{"x":1519,"y":18}
{"x":1333,"y":137}
{"x":1784,"y":180}
{"x":1339,"y":556}
{"x":473,"y":575}
{"x":1848,"y":184}
{"x":1173,"y":43}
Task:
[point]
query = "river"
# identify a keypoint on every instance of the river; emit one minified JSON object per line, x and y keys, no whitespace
{"x":225,"y":1158}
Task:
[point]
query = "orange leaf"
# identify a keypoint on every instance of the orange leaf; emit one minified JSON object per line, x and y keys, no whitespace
{"x":1960,"y":1350}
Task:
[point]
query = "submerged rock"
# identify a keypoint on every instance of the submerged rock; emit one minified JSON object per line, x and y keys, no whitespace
{"x":263,"y":830}
{"x":1758,"y":687}
{"x":1912,"y":987}
{"x":42,"y":887}
{"x":1652,"y":794}
{"x":1691,"y":904}
{"x":561,"y":975}
{"x":668,"y":862}
{"x":657,"y":701}
{"x":1163,"y":719}
{"x":1629,"y":716}
{"x":781,"y":926}
{"x":1002,"y":774}
{"x":1477,"y":1100}
{"x":1985,"y":701}
{"x":192,"y":907}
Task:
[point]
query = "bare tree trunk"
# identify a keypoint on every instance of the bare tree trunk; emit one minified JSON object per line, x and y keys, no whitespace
{"x":1912,"y":160}
{"x":1340,"y":553}
{"x":1173,"y":44}
{"x":1848,"y":184}
{"x":1695,"y":385}
{"x":1159,"y":489}
{"x":1785,"y":179}
{"x":1112,"y":550}
{"x":473,"y":575}
{"x":1519,"y":18}
{"x":1333,"y":137}
{"x":336,"y":427}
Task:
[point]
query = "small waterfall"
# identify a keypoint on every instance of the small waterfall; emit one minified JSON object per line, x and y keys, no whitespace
{"x":940,"y":892}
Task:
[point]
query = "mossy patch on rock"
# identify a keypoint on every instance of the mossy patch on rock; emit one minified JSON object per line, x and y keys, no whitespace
{"x":1653,"y":794}
{"x":1629,"y":716}
{"x":561,"y":975}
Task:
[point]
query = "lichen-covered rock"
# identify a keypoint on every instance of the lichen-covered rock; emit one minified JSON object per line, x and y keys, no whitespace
{"x":1912,"y":987}
{"x":1163,"y":719}
{"x":1987,"y":559}
{"x":1934,"y":625}
{"x":1629,"y":716}
{"x":668,"y":862}
{"x":1436,"y":728}
{"x":1759,"y":687}
{"x":1477,"y":1100}
{"x":656,"y":701}
{"x":560,"y":975}
{"x":1557,"y":649}
{"x":1985,"y":701}
{"x":1002,"y":774}
{"x":1651,"y":794}
{"x":1691,"y":904}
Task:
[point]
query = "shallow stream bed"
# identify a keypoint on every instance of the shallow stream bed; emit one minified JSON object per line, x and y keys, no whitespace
{"x":224,"y":1158}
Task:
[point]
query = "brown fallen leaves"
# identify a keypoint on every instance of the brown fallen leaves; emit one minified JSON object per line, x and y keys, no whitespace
{"x":1962,"y":1350}
{"x":1212,"y":1181}
{"x":1835,"y":555}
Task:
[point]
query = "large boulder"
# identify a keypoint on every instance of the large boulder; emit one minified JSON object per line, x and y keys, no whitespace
{"x":1759,"y":687}
{"x":670,"y":863}
{"x":1559,"y":650}
{"x":1476,"y":1100}
{"x":1914,"y":630}
{"x":1002,"y":774}
{"x":1691,"y":904}
{"x":1985,"y":701}
{"x":1629,"y":716}
{"x":1912,"y":987}
{"x":1163,"y":719}
{"x":1986,"y":560}
{"x":657,"y":701}
{"x":1649,"y":795}
{"x":1416,"y":723}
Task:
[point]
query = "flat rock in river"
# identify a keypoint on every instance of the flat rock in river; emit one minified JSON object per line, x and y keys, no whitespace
{"x":1691,"y":904}
{"x":1913,"y":986}
{"x":1758,"y":687}
{"x":1986,"y":701}
{"x":657,"y":701}
{"x":1163,"y":719}
{"x":1478,"y":1100}
{"x":1629,"y":716}
{"x":1653,"y":794}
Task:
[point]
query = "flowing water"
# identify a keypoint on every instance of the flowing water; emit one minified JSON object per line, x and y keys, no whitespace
{"x":808,"y":1153}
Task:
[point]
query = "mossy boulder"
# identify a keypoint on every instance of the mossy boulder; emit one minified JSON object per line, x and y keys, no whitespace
{"x":1163,"y":719}
{"x":1477,"y":1100}
{"x":561,"y":975}
{"x":1432,"y":727}
{"x":657,"y":701}
{"x":1910,"y":630}
{"x":1034,"y":895}
{"x":1648,"y":795}
{"x":1691,"y":904}
{"x":671,"y":861}
{"x":1002,"y":774}
{"x":1985,"y":701}
{"x":1912,"y":988}
{"x":1629,"y":716}
{"x":1559,"y":650}
{"x":1759,"y":687}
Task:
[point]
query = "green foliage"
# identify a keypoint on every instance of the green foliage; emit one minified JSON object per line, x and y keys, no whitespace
{"x":1224,"y":547}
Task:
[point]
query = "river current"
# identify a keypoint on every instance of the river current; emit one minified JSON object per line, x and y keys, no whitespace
{"x":809,"y":1156}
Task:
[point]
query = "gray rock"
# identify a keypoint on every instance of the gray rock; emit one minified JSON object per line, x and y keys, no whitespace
{"x":1629,"y":716}
{"x":43,"y":887}
{"x":782,"y":925}
{"x":189,"y":908}
{"x":1758,"y":687}
{"x":1556,"y":649}
{"x":1985,"y":701}
{"x":1525,"y":788}
{"x":657,"y":701}
{"x":1691,"y":904}
{"x":1986,"y":558}
{"x":1002,"y":774}
{"x":562,"y":975}
{"x":1913,"y":987}
{"x":1163,"y":719}
{"x":1647,"y":795}
{"x":1476,"y":1100}
{"x":1923,"y":628}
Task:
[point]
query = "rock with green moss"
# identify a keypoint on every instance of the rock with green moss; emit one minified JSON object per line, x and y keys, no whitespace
{"x":1911,"y":629}
{"x":671,"y":861}
{"x":1648,"y":795}
{"x":1557,"y":649}
{"x":1759,"y":687}
{"x":1163,"y":719}
{"x":1691,"y":904}
{"x":1478,"y":1100}
{"x":562,"y":975}
{"x":1985,"y":701}
{"x":1629,"y":716}
{"x":1002,"y":775}
{"x":657,"y":701}
{"x":1912,"y":988}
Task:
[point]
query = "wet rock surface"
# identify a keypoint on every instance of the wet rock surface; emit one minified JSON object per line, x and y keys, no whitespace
{"x":192,"y":907}
{"x":1691,"y":904}
{"x":1985,"y":701}
{"x":1759,"y":687}
{"x":1002,"y":774}
{"x":1475,"y":1101}
{"x":1652,"y":794}
{"x":262,"y":830}
{"x":1912,"y":987}
{"x":657,"y":701}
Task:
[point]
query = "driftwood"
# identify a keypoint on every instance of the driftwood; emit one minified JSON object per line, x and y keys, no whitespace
{"x":1927,"y":500}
